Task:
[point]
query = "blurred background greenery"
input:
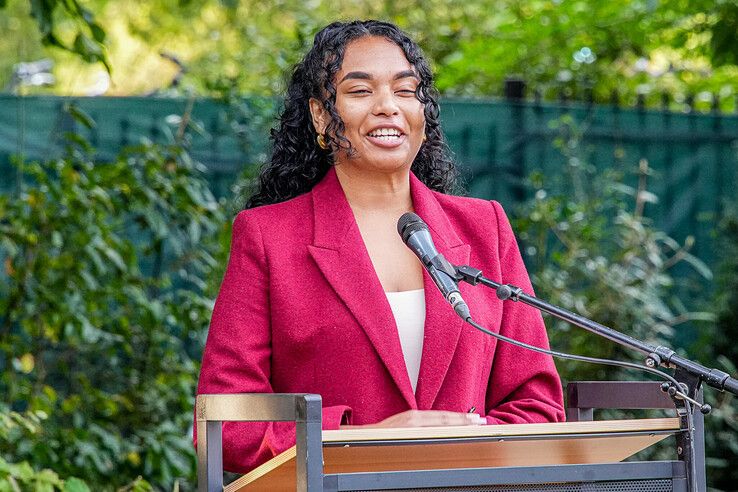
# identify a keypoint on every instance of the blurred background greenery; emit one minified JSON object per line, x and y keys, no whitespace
{"x":684,"y":48}
{"x":113,"y":239}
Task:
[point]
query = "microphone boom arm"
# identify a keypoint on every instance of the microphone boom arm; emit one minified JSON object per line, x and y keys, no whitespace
{"x":655,"y":356}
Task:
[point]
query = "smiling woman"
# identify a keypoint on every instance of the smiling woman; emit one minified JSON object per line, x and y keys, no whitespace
{"x":321,"y":295}
{"x":375,"y":98}
{"x":299,"y":160}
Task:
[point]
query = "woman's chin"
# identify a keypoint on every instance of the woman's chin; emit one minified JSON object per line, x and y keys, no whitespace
{"x":386,"y":159}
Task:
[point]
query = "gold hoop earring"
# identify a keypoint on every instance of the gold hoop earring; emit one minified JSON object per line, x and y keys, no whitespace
{"x":425,"y":137}
{"x":321,"y":141}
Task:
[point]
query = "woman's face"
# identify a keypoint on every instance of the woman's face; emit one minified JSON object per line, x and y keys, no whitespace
{"x":375,"y":98}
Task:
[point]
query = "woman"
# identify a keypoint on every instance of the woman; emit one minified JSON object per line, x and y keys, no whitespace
{"x":321,"y":295}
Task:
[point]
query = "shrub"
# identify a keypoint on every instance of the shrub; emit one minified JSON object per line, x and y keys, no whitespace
{"x":592,"y":249}
{"x":718,"y":345}
{"x":105,"y":296}
{"x":21,"y":476}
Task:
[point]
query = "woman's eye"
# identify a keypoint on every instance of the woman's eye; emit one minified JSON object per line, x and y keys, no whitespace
{"x":359,"y":91}
{"x":406,"y":91}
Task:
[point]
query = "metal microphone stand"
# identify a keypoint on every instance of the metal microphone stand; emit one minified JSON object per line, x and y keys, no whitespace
{"x":690,"y":375}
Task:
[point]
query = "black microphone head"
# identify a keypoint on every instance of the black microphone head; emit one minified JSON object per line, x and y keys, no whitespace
{"x":407,"y":218}
{"x":408,"y":224}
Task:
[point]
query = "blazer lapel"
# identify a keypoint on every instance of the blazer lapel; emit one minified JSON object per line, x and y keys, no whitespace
{"x":339,"y":251}
{"x":442,"y":325}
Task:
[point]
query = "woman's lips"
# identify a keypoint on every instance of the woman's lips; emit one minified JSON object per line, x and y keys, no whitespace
{"x":387,"y":142}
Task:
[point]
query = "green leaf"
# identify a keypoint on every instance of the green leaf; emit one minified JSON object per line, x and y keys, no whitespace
{"x":9,"y":485}
{"x":115,"y":257}
{"x":141,"y":485}
{"x":698,"y":265}
{"x":80,"y":115}
{"x":74,"y":484}
{"x":88,"y":49}
{"x":194,"y":231}
{"x":43,"y":487}
{"x":727,"y":364}
{"x":50,"y":39}
{"x":90,"y":282}
{"x":42,"y":12}
{"x":78,"y":140}
{"x":48,"y":478}
{"x":98,"y":34}
{"x":22,"y":471}
{"x":89,"y":333}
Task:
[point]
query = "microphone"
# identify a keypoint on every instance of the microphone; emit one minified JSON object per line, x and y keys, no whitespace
{"x":416,"y":236}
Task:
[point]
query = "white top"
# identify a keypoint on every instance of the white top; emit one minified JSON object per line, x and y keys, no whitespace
{"x":408,"y":308}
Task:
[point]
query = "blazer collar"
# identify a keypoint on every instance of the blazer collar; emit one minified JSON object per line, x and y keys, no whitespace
{"x":339,"y":251}
{"x":334,"y":217}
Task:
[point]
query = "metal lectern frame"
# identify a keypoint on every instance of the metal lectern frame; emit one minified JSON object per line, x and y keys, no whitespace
{"x":305,"y":411}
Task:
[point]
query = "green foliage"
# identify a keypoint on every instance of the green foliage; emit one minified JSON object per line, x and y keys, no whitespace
{"x":105,"y":295}
{"x":718,"y":345}
{"x":557,"y":47}
{"x":80,"y":24}
{"x":21,"y":476}
{"x":635,"y":47}
{"x":593,"y":251}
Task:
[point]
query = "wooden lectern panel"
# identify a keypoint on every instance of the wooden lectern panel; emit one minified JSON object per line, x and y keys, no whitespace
{"x":366,"y":450}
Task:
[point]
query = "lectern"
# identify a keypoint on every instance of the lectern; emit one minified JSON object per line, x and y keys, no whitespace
{"x":579,"y":455}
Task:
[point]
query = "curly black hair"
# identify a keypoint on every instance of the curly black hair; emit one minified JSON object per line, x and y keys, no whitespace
{"x":298,"y":163}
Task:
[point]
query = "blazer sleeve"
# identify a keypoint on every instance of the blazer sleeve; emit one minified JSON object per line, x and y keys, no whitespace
{"x":237,"y":354}
{"x":524,"y":385}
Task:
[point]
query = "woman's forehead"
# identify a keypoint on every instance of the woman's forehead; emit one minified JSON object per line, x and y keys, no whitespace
{"x":374,"y":55}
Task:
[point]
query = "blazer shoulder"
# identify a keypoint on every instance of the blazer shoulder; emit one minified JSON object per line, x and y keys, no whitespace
{"x":474,"y":218}
{"x":279,"y":215}
{"x":466,"y":206}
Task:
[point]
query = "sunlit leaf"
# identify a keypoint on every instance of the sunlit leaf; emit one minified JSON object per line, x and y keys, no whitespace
{"x":75,"y":485}
{"x":648,"y":197}
{"x":22,"y":471}
{"x":699,"y":266}
{"x":46,"y":480}
{"x":115,"y":257}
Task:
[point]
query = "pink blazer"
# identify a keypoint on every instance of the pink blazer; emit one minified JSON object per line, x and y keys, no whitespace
{"x":301,"y":310}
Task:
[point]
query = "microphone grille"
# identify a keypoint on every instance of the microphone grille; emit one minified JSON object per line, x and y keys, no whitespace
{"x":408,"y":224}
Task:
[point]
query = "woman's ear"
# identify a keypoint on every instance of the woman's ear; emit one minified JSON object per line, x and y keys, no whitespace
{"x":319,"y":115}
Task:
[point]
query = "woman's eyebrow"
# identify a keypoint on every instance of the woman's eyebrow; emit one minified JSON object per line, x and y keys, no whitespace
{"x":356,"y":75}
{"x":405,"y":74}
{"x":368,"y":76}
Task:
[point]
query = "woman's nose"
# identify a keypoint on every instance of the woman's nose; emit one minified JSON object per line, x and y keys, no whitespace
{"x":385,"y":103}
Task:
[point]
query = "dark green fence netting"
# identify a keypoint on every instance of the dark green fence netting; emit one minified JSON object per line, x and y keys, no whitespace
{"x":497,"y":143}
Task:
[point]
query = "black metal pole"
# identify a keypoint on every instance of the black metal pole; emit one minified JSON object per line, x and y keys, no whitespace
{"x":655,"y":356}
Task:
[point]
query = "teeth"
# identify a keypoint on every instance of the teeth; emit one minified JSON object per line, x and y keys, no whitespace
{"x":385,"y":132}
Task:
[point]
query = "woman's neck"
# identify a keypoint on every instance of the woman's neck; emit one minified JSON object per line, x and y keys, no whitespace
{"x":376,"y":192}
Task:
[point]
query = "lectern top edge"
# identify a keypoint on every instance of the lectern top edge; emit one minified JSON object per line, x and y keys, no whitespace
{"x":569,"y":428}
